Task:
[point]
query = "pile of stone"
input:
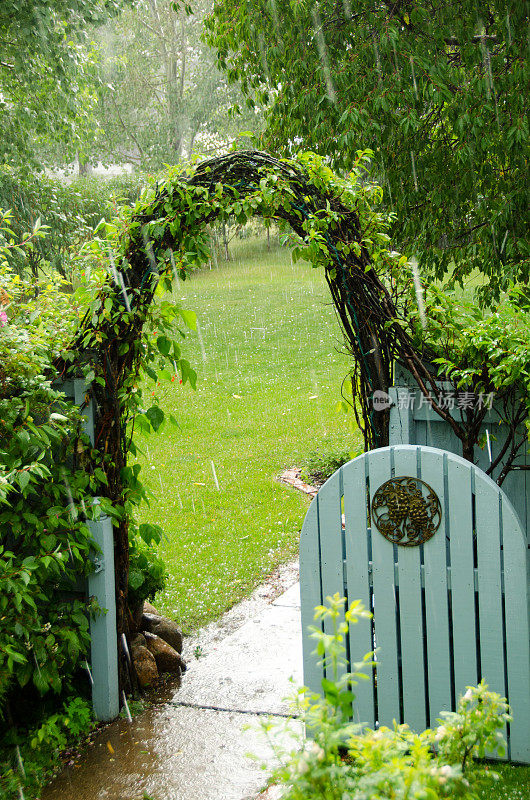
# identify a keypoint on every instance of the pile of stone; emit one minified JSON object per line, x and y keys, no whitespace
{"x":156,"y":647}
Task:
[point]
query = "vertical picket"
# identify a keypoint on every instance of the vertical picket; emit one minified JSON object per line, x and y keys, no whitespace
{"x":517,"y":612}
{"x":388,"y":698}
{"x":489,"y":582}
{"x":331,"y":548}
{"x":433,"y":472}
{"x":310,"y":594}
{"x":460,"y":494}
{"x":358,"y":578}
{"x":410,"y":609}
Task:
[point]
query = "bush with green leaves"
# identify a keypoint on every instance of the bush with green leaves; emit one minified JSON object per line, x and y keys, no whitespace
{"x":147,"y":570}
{"x":339,"y":760}
{"x":70,"y":210}
{"x":28,"y":754}
{"x":320,"y":465}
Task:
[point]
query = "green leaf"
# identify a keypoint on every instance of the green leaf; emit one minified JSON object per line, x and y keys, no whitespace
{"x":155,"y":415}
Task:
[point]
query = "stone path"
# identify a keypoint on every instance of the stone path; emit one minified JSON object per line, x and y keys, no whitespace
{"x":194,"y":744}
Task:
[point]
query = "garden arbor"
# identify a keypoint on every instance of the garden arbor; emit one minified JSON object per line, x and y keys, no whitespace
{"x":337,"y":226}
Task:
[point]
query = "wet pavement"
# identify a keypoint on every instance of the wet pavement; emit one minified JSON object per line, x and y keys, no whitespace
{"x":193,"y":743}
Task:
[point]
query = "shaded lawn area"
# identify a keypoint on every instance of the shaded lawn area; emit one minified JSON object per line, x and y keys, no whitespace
{"x":270,"y":372}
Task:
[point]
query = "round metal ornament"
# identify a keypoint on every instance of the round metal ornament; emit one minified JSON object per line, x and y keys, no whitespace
{"x":406,"y":511}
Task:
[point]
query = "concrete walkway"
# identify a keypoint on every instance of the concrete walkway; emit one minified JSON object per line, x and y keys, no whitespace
{"x":195,"y":743}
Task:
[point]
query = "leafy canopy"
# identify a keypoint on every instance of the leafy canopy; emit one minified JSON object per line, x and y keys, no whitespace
{"x":46,"y":71}
{"x":436,"y":90}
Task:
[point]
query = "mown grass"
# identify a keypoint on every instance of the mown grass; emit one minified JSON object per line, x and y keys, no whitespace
{"x":513,"y":783}
{"x":270,"y":372}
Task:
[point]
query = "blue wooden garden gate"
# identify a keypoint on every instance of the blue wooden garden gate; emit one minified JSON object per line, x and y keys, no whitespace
{"x":448,"y":611}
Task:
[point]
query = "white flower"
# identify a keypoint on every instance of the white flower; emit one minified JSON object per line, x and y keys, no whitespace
{"x":441,"y":731}
{"x":468,"y":695}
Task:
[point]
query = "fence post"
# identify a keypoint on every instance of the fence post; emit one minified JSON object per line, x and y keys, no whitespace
{"x":101,"y":586}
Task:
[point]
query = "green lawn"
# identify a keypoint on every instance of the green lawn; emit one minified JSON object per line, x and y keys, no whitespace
{"x":270,"y":372}
{"x":513,"y":783}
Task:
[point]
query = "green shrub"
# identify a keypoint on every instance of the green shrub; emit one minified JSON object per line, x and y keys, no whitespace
{"x":28,"y":755}
{"x":321,"y":465}
{"x":341,"y":761}
{"x":147,"y":570}
{"x":70,"y":211}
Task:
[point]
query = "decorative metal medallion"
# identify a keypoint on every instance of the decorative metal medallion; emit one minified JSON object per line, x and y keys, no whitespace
{"x":406,"y":511}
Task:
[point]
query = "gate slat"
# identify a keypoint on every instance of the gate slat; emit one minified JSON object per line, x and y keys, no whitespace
{"x":384,"y":598}
{"x":331,"y":549}
{"x":357,"y":578}
{"x":459,"y":487}
{"x":491,"y":631}
{"x":436,"y":601}
{"x":310,"y":594}
{"x":489,"y":584}
{"x":410,"y":612}
{"x":517,"y":637}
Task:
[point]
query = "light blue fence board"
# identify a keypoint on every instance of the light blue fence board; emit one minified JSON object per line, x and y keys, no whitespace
{"x":388,"y":699}
{"x":358,"y":578}
{"x":490,"y":599}
{"x":332,"y":553}
{"x":459,"y":491}
{"x":101,"y":586}
{"x":436,"y":595}
{"x":310,"y":593}
{"x":410,"y":615}
{"x":517,"y":610}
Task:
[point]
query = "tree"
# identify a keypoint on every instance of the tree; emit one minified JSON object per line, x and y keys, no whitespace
{"x":437,"y":90}
{"x":45,"y":71}
{"x":162,"y":94}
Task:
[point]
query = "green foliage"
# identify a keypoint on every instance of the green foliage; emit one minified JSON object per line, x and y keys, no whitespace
{"x":440,"y":98}
{"x":44,"y":542}
{"x":47,"y":74}
{"x":147,"y":570}
{"x":68,"y":213}
{"x":31,"y":766}
{"x":486,"y":348}
{"x":340,"y":760}
{"x":320,"y":465}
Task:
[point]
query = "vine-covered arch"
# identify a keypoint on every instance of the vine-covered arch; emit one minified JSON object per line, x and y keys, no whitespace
{"x":338,"y":227}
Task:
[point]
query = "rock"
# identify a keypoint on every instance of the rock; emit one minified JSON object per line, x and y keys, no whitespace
{"x":145,"y":666}
{"x":149,"y":609}
{"x":136,"y":616}
{"x":138,"y":640}
{"x":166,"y":629}
{"x":166,"y":657}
